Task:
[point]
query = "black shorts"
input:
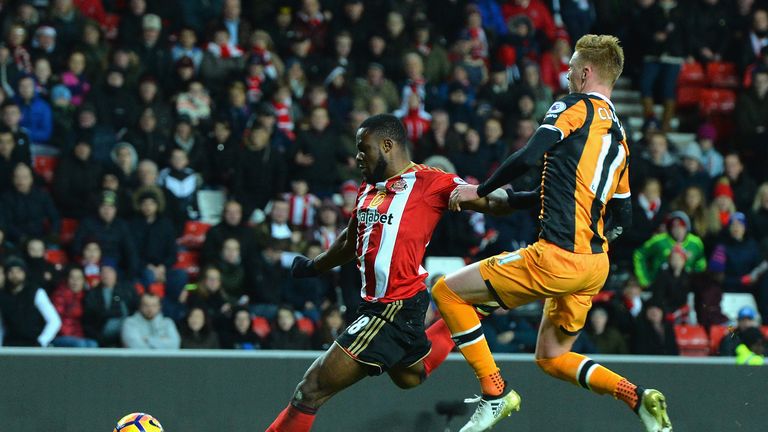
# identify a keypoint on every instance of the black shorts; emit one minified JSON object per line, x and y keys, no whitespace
{"x":386,"y":335}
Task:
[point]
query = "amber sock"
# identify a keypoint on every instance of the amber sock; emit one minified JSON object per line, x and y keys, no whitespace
{"x":493,"y":384}
{"x":464,"y":324}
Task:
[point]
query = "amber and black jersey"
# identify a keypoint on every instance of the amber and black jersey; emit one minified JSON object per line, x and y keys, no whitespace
{"x":586,"y":164}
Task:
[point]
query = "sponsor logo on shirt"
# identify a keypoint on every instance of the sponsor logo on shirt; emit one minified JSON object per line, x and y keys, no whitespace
{"x":371,"y":216}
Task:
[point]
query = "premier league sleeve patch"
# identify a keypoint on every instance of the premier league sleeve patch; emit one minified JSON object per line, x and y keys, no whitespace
{"x":557,"y":107}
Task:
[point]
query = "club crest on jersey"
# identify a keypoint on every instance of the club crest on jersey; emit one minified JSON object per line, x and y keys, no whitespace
{"x":398,"y":186}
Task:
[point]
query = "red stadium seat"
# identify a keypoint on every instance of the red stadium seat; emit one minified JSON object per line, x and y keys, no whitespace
{"x":691,"y":74}
{"x":261,"y":326}
{"x":688,"y":96}
{"x":56,"y":257}
{"x":189,"y":261}
{"x":194,"y":234}
{"x":45,"y":166}
{"x":306,"y":325}
{"x":692,"y":340}
{"x":764,"y":329}
{"x":716,"y":334}
{"x":717,"y":101}
{"x":67,"y":233}
{"x":722,"y":74}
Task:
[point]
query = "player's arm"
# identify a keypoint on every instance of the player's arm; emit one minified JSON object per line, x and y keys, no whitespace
{"x":620,"y":211}
{"x":503,"y":201}
{"x":341,"y":252}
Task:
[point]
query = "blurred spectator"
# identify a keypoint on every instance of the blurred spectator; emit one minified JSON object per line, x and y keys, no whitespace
{"x":237,"y":111}
{"x":74,"y":78}
{"x":239,"y":30}
{"x":148,"y":139}
{"x":435,"y":58}
{"x":554,"y":65}
{"x":693,"y":203}
{"x":193,"y":104}
{"x":744,"y":187}
{"x":722,"y":206}
{"x":235,"y":281}
{"x":261,"y":171}
{"x":40,"y":273}
{"x":101,"y":135}
{"x":67,"y":20}
{"x":68,"y":300}
{"x":241,"y":336}
{"x":414,"y":118}
{"x":196,"y":332}
{"x":276,"y":226}
{"x":156,"y":246}
{"x":656,"y":163}
{"x":331,"y":326}
{"x":650,"y":257}
{"x":16,"y":39}
{"x":752,"y":349}
{"x":183,"y":183}
{"x":10,"y":156}
{"x":745,"y":319}
{"x":306,"y":295}
{"x":708,"y":286}
{"x":43,"y":77}
{"x":26,"y":209}
{"x":508,"y":332}
{"x":742,"y":259}
{"x":36,"y":114}
{"x":537,"y":12}
{"x":111,"y":232}
{"x":124,"y":163}
{"x":95,"y":49}
{"x":473,"y":163}
{"x":691,"y":170}
{"x":672,"y":284}
{"x":759,"y":216}
{"x":63,"y":117}
{"x":648,"y":213}
{"x":285,"y":333}
{"x":130,"y":22}
{"x":222,"y":149}
{"x":441,"y":139}
{"x":154,"y":57}
{"x":115,"y":103}
{"x":756,"y":39}
{"x":44,"y":45}
{"x":90,"y":262}
{"x":607,"y":339}
{"x":707,"y":21}
{"x":110,"y":182}
{"x":187,"y":46}
{"x":302,"y":204}
{"x":316,"y":150}
{"x":231,"y":226}
{"x":183,"y":75}
{"x":28,"y":316}
{"x":752,"y":121}
{"x":12,"y":119}
{"x":653,"y":335}
{"x":711,"y":159}
{"x":542,"y":95}
{"x":222,"y":60}
{"x":148,"y":328}
{"x":106,"y":306}
{"x":207,"y":294}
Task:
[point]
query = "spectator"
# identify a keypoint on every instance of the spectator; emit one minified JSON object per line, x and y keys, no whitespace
{"x":742,"y":258}
{"x":235,"y":277}
{"x":148,"y":328}
{"x":316,"y":150}
{"x":654,"y":335}
{"x":285,"y":333}
{"x":275,"y":227}
{"x":10,"y":156}
{"x":711,"y":159}
{"x":231,"y":226}
{"x":222,"y":149}
{"x":672,"y":284}
{"x":184,"y":75}
{"x":752,"y":351}
{"x":28,"y":316}
{"x":110,"y":182}
{"x":708,"y":286}
{"x":114,"y":101}
{"x":331,"y":327}
{"x":691,"y":170}
{"x":414,"y":118}
{"x":706,"y":22}
{"x":36,"y":114}
{"x":12,"y":119}
{"x":156,"y":244}
{"x":237,"y":111}
{"x":130,"y":22}
{"x":751,"y":114}
{"x":656,"y":163}
{"x":95,"y":49}
{"x":148,"y":140}
{"x":607,"y":339}
{"x":67,"y":20}
{"x":196,"y":332}
{"x":648,"y":213}
{"x":63,"y":117}
{"x":182,"y":183}
{"x":755,"y":40}
{"x":124,"y":162}
{"x":42,"y":274}
{"x":474,"y":162}
{"x":307,"y":295}
{"x":68,"y":300}
{"x":90,"y":262}
{"x":74,"y":78}
{"x":722,"y":206}
{"x":222,"y":60}
{"x":111,"y":232}
{"x":207,"y":294}
{"x":193,"y":104}
{"x":152,"y":54}
{"x":650,"y":257}
{"x":16,"y":40}
{"x":241,"y":335}
{"x":441,"y":139}
{"x":554,"y":65}
{"x":746,"y":319}
{"x":744,"y":187}
{"x":101,"y":135}
{"x":693,"y":203}
{"x":303,"y":205}
{"x":434,"y":56}
{"x":186,"y":138}
{"x":759,"y":216}
{"x":28,"y":210}
{"x":187,"y":46}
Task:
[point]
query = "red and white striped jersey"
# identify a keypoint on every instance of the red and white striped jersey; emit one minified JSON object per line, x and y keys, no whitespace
{"x":395,"y":220}
{"x":302,"y":210}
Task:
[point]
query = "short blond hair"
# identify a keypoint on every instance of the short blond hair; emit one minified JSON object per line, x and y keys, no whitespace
{"x":604,"y":53}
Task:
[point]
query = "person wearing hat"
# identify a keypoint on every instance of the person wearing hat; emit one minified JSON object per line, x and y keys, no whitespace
{"x":722,"y":205}
{"x":76,"y":181}
{"x":711,"y":159}
{"x":111,"y":232}
{"x":28,"y":316}
{"x":155,"y":57}
{"x":28,"y":210}
{"x":672,"y":285}
{"x":751,"y":352}
{"x":691,"y":170}
{"x":155,"y":240}
{"x":107,"y":305}
{"x":650,"y":257}
{"x":742,"y":259}
{"x":746,"y":319}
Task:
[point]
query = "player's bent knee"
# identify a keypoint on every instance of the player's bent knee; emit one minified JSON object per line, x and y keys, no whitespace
{"x":550,"y":366}
{"x":408,"y":381}
{"x":441,"y":293}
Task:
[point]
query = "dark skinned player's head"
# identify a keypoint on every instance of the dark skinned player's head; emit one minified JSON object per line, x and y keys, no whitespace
{"x":380,"y":141}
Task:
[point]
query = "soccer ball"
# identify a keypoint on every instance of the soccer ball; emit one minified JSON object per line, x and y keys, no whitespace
{"x":138,"y":422}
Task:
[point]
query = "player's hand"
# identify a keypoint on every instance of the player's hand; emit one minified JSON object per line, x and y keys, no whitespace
{"x":303,"y":267}
{"x":462,"y":193}
{"x":613,"y":233}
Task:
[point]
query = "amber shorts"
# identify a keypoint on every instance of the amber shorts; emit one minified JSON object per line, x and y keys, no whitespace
{"x":567,"y":281}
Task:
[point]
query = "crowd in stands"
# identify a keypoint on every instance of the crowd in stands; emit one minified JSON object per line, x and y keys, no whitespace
{"x":119,"y":119}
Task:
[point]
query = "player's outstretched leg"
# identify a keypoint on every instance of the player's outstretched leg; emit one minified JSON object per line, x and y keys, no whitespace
{"x":460,"y":315}
{"x":330,"y":373}
{"x":554,"y":357}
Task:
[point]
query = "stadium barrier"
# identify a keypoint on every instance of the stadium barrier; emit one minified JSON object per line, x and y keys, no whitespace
{"x":221,"y":391}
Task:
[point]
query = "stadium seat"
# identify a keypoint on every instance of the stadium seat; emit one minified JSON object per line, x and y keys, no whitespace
{"x":306,"y":325}
{"x":67,"y":232}
{"x":189,"y":261}
{"x":688,"y":97}
{"x":717,"y":101}
{"x":261,"y":326}
{"x":716,"y":334}
{"x":722,"y":74}
{"x":56,"y":257}
{"x":194,"y":234}
{"x":691,"y":74}
{"x":692,"y":340}
{"x":764,"y":329}
{"x":44,"y":166}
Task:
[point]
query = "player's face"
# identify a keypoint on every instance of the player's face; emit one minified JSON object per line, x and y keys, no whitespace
{"x":370,"y":158}
{"x":576,"y":75}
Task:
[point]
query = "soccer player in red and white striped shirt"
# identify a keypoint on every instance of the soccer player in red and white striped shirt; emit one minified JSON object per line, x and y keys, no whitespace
{"x":398,"y":206}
